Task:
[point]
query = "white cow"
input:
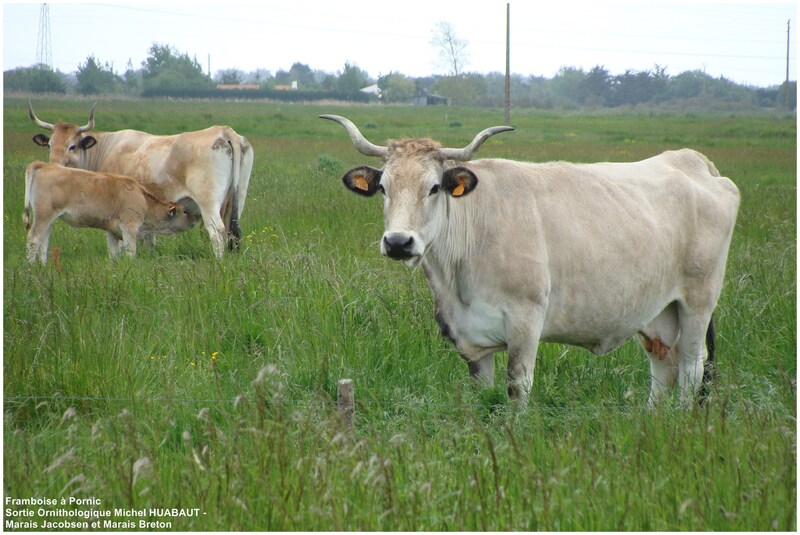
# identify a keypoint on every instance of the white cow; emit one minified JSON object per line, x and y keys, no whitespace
{"x":210,"y":166}
{"x":117,"y":204}
{"x":583,"y":254}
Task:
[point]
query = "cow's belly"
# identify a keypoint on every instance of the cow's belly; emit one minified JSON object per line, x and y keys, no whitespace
{"x":597,"y":345}
{"x":600,"y":329}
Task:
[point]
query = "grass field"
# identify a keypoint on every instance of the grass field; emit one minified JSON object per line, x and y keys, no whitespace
{"x":174,"y":380}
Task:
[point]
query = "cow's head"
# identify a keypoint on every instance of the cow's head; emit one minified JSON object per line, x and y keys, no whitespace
{"x":67,"y":142}
{"x":172,"y":217}
{"x":418,"y":179}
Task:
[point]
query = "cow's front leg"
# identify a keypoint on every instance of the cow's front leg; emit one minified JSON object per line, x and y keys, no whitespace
{"x":482,"y":369}
{"x":523,"y":343}
{"x":149,"y":241}
{"x":113,"y":244}
{"x":521,"y":363}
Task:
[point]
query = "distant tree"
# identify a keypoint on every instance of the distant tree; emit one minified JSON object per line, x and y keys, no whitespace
{"x":688,"y":84}
{"x":94,"y":78}
{"x":568,"y":86}
{"x":351,"y":79}
{"x":259,"y":76}
{"x":158,"y":60}
{"x":496,"y":90}
{"x":36,"y":79}
{"x":282,"y":77}
{"x":396,"y":88}
{"x":230,"y":76}
{"x":791,"y":88}
{"x":632,"y":88}
{"x":167,"y":69}
{"x":131,"y":78}
{"x":303,"y":75}
{"x":540,"y":92}
{"x":465,"y":90}
{"x":723,"y":89}
{"x":329,"y":82}
{"x":596,"y":86}
{"x":17,"y":79}
{"x":453,"y":54}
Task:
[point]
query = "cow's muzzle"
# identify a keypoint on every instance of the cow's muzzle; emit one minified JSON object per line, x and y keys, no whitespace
{"x":399,"y":246}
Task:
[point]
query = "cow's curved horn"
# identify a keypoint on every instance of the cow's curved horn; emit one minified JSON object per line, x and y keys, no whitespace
{"x":38,"y":122}
{"x":359,"y":141}
{"x":88,"y":126}
{"x":466,"y":153}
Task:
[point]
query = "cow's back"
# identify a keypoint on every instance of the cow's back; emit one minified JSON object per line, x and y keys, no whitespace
{"x":170,"y":161}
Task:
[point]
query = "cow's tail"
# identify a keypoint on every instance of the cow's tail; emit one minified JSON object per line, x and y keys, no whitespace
{"x":26,"y":212}
{"x":709,"y":369}
{"x":232,"y":216}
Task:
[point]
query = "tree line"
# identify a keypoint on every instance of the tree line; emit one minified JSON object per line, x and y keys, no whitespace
{"x":169,"y":73}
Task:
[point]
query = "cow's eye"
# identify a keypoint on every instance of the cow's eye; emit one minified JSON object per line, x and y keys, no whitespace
{"x":435,"y":189}
{"x":71,"y":148}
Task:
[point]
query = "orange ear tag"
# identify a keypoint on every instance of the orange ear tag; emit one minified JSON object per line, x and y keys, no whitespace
{"x":458,"y":191}
{"x":361,"y":183}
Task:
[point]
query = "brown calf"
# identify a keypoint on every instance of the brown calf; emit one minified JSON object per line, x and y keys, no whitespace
{"x":117,"y":204}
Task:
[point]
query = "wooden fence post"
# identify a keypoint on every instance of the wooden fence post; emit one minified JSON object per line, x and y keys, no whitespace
{"x":346,"y":401}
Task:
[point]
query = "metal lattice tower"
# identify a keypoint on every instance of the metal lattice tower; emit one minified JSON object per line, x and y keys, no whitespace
{"x":44,"y":48}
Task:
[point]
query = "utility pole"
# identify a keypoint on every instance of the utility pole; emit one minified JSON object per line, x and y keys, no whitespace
{"x":788,"y":34}
{"x":508,"y":64}
{"x":44,"y":49}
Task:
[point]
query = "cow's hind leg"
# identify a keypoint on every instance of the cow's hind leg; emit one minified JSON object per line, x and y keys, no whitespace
{"x":694,"y":326}
{"x":231,"y":220}
{"x":709,"y":370}
{"x":660,"y":340}
{"x":38,"y":240}
{"x":215,"y":228}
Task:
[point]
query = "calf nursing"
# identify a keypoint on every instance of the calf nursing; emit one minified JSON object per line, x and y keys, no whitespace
{"x":117,"y":204}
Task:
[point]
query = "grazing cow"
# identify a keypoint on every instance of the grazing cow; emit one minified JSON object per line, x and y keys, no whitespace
{"x":117,"y":204}
{"x":584,"y":254}
{"x":210,"y":166}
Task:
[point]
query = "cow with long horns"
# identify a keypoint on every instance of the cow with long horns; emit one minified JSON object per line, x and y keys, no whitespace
{"x":210,"y":167}
{"x":583,"y":254}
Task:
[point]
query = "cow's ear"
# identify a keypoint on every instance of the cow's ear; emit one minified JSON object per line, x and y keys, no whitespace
{"x":87,"y":142}
{"x":172,"y":209}
{"x":363,"y":180}
{"x":459,"y":181}
{"x":41,"y":140}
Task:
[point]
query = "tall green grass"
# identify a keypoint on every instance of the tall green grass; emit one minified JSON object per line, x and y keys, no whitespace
{"x":176,"y":380}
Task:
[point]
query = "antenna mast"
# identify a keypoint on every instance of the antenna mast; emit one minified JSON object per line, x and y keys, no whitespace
{"x":44,"y":48}
{"x":788,"y":40}
{"x":508,"y":64}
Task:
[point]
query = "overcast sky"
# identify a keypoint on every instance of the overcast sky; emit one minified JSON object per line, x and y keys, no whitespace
{"x":742,"y":41}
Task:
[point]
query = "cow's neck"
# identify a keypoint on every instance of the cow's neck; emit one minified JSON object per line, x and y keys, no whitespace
{"x":94,"y":158}
{"x":445,"y":261}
